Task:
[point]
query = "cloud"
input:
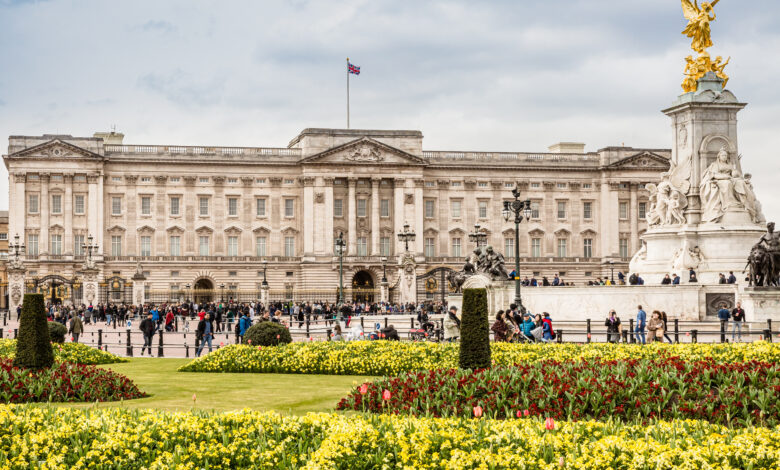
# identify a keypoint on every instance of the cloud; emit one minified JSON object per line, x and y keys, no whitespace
{"x":14,"y":3}
{"x":158,"y":26}
{"x":184,"y":89}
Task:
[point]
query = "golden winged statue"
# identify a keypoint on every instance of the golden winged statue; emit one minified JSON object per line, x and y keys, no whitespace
{"x":698,"y":30}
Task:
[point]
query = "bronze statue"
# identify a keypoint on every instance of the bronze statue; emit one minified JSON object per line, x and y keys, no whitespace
{"x":764,"y":260}
{"x":485,"y":260}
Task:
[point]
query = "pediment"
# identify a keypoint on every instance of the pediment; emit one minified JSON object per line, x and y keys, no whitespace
{"x":56,"y":149}
{"x":642,"y":160}
{"x":364,"y":151}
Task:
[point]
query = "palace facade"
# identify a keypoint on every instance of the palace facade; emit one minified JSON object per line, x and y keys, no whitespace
{"x":172,"y":220}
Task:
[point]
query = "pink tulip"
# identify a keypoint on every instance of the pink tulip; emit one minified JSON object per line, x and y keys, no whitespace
{"x":561,"y":462}
{"x":477,"y":411}
{"x":278,"y":336}
{"x":386,"y":395}
{"x":549,"y":424}
{"x":519,"y":414}
{"x":249,"y":341}
{"x":361,"y":333}
{"x":687,"y":333}
{"x":221,"y":344}
{"x":364,"y":389}
{"x":588,"y":335}
{"x":526,"y":412}
{"x":259,"y":348}
{"x":194,"y":397}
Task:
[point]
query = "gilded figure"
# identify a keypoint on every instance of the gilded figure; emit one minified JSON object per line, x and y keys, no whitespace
{"x":698,"y":29}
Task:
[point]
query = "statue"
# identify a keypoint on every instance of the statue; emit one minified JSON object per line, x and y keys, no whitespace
{"x":495,"y":264}
{"x":483,"y":260}
{"x":764,"y":259}
{"x":666,"y":204}
{"x":723,"y":187}
{"x":698,"y":29}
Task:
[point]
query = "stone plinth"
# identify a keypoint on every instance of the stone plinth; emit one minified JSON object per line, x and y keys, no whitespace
{"x":761,"y":303}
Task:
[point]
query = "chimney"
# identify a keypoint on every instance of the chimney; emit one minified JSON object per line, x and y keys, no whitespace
{"x":567,"y":147}
{"x":110,"y":138}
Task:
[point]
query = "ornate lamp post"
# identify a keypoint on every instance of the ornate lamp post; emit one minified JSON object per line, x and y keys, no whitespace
{"x":612,"y":271}
{"x":384,"y":269}
{"x":17,"y":249}
{"x":341,"y":248}
{"x":517,"y":210}
{"x":406,"y":236}
{"x":265,"y":268}
{"x":478,"y":236}
{"x":187,"y":288}
{"x":89,"y":248}
{"x":222,"y":292}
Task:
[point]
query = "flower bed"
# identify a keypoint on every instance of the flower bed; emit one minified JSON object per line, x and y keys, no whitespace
{"x":395,"y":357}
{"x":122,"y":439}
{"x":67,"y":352}
{"x":632,"y":390}
{"x":63,"y":382}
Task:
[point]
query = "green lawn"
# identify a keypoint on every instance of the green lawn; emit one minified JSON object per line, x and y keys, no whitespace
{"x":285,"y":393}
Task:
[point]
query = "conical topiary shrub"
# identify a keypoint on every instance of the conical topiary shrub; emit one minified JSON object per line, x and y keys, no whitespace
{"x":33,"y":347}
{"x":474,"y":330}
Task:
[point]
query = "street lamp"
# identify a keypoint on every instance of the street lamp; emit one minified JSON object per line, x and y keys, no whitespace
{"x":384,"y":269}
{"x":89,"y":247}
{"x":222,"y":292}
{"x":612,"y":271}
{"x":406,"y":236}
{"x":518,"y":210}
{"x":16,"y":248}
{"x":341,"y":248}
{"x":478,"y":236}
{"x":265,"y":268}
{"x":187,"y":288}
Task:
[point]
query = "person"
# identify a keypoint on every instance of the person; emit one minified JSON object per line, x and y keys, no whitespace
{"x":721,"y":279}
{"x":667,"y":280}
{"x":169,"y":325}
{"x":549,"y":328}
{"x":633,"y":279}
{"x":732,"y":278}
{"x":527,"y":327}
{"x":538,"y":330}
{"x":337,"y":334}
{"x":77,"y":327}
{"x":621,"y":278}
{"x":641,"y":319}
{"x":499,"y":328}
{"x":390,"y":333}
{"x":655,"y":327}
{"x":204,"y":333}
{"x":243,"y":324}
{"x":692,"y":276}
{"x":666,"y":326}
{"x":556,"y":280}
{"x":424,"y":320}
{"x":452,"y":325}
{"x":723,"y":315}
{"x":737,"y":317}
{"x":613,"y":327}
{"x":147,"y":327}
{"x":675,"y":280}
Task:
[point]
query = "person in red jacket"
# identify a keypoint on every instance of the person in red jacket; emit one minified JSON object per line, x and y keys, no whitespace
{"x":548,"y":335}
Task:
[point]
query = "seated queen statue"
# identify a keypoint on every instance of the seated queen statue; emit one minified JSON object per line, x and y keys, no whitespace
{"x":723,"y":188}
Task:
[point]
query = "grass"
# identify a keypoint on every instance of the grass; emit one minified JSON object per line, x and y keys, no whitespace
{"x":286,"y":393}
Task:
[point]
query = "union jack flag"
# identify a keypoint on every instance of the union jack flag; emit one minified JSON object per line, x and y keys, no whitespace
{"x":353,"y":68}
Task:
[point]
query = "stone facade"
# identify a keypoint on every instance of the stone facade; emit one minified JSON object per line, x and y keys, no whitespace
{"x":207,"y":217}
{"x":3,"y":259}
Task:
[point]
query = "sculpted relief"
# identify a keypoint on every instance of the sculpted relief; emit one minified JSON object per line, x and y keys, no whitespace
{"x":723,"y":188}
{"x":365,"y":153}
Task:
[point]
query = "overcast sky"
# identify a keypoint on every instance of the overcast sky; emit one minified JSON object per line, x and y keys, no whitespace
{"x":492,"y":75}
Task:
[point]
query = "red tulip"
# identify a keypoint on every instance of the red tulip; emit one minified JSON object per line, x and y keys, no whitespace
{"x":386,"y":395}
{"x":549,"y":424}
{"x":278,"y":336}
{"x":259,"y":348}
{"x":364,"y":389}
{"x":222,"y":344}
{"x":526,"y":412}
{"x":477,"y":411}
{"x":249,"y":341}
{"x":687,"y":333}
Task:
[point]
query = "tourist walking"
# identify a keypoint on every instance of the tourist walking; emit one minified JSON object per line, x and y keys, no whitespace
{"x":499,"y":328}
{"x":243,"y":324}
{"x":738,"y":318}
{"x":77,"y":327}
{"x":452,"y":325}
{"x":204,"y":333}
{"x":666,"y":327}
{"x":641,"y":320}
{"x":655,"y":327}
{"x":613,"y":327}
{"x":147,"y":327}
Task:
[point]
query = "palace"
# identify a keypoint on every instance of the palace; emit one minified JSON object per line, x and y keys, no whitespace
{"x":171,"y":221}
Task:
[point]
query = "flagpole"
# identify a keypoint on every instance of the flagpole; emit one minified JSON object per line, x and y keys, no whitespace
{"x":347,"y":92}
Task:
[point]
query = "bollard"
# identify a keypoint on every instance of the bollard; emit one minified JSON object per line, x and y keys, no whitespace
{"x":587,"y":329}
{"x":113,"y":320}
{"x":186,"y":350}
{"x":176,"y":323}
{"x":100,"y":338}
{"x":1,"y":333}
{"x":768,"y":335}
{"x":385,"y":322}
{"x":160,"y":345}
{"x":625,"y":336}
{"x":694,"y":336}
{"x":5,"y":315}
{"x":237,"y":335}
{"x":329,"y":332}
{"x":559,"y":336}
{"x":411,"y":323}
{"x":362,"y":326}
{"x":769,"y":325}
{"x":631,"y":330}
{"x":722,"y":331}
{"x":16,"y":332}
{"x":307,"y":326}
{"x":129,"y":345}
{"x":676,"y":330}
{"x":197,"y":342}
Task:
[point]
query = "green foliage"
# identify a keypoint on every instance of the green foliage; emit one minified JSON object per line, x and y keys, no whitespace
{"x":33,"y":347}
{"x":57,"y":332}
{"x":76,"y":353}
{"x":474,"y":331}
{"x":267,"y":333}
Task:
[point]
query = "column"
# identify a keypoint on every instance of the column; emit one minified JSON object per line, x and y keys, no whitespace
{"x":43,"y":239}
{"x":99,"y":228}
{"x":93,"y":214}
{"x":443,"y":217}
{"x":67,"y":207}
{"x":328,"y":215}
{"x":398,"y":212}
{"x":375,"y":216}
{"x":131,"y":208}
{"x":352,"y":217}
{"x":17,"y":207}
{"x":419,"y":212}
{"x":633,"y":212}
{"x":308,"y":224}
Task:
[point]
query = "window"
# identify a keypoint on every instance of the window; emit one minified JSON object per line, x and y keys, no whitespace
{"x":642,"y":210}
{"x":624,"y":247}
{"x":56,"y":244}
{"x":4,"y":236}
{"x":79,"y":178}
{"x":289,"y":246}
{"x":587,"y":248}
{"x":455,"y":184}
{"x":623,"y":185}
{"x":509,"y":185}
{"x":116,"y":205}
{"x":56,"y":177}
{"x":535,"y":185}
{"x":260,"y":180}
{"x":430,"y":184}
{"x":146,"y":245}
{"x":362,"y":246}
{"x":32,"y":245}
{"x":509,"y":247}
{"x":173,"y":179}
{"x":289,"y":181}
{"x":623,"y":209}
{"x":32,"y":204}
{"x":175,"y":205}
{"x":116,"y":245}
{"x":562,"y":247}
{"x":534,"y":210}
{"x":56,"y":204}
{"x":430,"y":209}
{"x":587,"y":210}
{"x":232,"y":246}
{"x":586,"y":185}
{"x":430,"y":247}
{"x":175,"y":245}
{"x":536,"y":247}
{"x":384,"y":208}
{"x":260,"y":246}
{"x":232,"y":180}
{"x":232,"y":206}
{"x":455,"y":207}
{"x":561,"y":185}
{"x":116,"y":179}
{"x":561,"y":209}
{"x":78,"y":245}
{"x":78,"y":204}
{"x":483,"y":209}
{"x":361,"y":208}
{"x":260,"y":207}
{"x":338,"y":208}
{"x":482,"y":184}
{"x":232,"y":273}
{"x":384,"y":246}
{"x":203,"y":180}
{"x":146,"y":205}
{"x":456,"y":247}
{"x":203,"y":203}
{"x":146,"y":179}
{"x":203,"y":245}
{"x":289,"y":207}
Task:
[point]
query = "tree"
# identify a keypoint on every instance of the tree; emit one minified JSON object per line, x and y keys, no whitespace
{"x":474,"y":330}
{"x":267,"y":333}
{"x":33,"y":346}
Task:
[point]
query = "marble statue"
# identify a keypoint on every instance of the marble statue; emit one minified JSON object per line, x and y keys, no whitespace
{"x":723,"y":187}
{"x":667,"y":204}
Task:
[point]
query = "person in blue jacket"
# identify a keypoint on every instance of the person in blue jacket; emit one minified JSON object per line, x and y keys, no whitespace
{"x":243,"y":324}
{"x":641,"y":321}
{"x":527,"y":326}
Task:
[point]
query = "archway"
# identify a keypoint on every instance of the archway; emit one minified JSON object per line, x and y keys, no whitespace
{"x":363,"y":287}
{"x":203,"y":291}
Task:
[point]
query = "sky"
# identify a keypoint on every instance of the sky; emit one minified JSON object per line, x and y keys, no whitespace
{"x":500,"y":75}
